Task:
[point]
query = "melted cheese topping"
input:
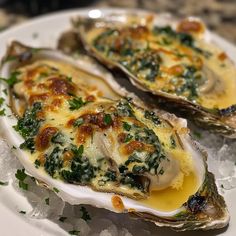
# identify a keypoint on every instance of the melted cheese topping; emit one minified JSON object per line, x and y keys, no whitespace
{"x":163,"y":60}
{"x":113,"y":146}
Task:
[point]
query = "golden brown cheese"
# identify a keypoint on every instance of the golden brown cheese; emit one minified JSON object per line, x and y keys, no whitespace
{"x":163,"y":60}
{"x":109,"y":145}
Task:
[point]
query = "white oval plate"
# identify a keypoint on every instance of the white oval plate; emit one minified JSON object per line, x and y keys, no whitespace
{"x":44,"y":32}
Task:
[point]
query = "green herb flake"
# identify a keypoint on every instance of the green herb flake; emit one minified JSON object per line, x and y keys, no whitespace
{"x":74,"y":232}
{"x":12,"y":79}
{"x":126,"y":126}
{"x":2,"y":112}
{"x":58,"y":138}
{"x":56,"y":190}
{"x":62,"y":218}
{"x":5,"y":91}
{"x":69,"y":78}
{"x":3,"y":183}
{"x":78,"y":122}
{"x":21,"y":176}
{"x":22,"y":212}
{"x":107,"y":119}
{"x":1,"y":101}
{"x":128,"y":138}
{"x":37,"y":163}
{"x":85,"y":215}
{"x":28,"y":125}
{"x":47,"y":201}
{"x":76,"y":103}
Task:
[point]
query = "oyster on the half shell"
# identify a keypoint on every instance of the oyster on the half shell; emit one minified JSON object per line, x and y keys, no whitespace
{"x":107,"y":153}
{"x":174,"y":61}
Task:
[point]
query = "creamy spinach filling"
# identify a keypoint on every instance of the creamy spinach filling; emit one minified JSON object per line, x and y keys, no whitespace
{"x":78,"y":168}
{"x":136,"y":55}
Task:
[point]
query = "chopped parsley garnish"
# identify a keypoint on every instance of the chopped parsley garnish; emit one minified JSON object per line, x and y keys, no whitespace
{"x":56,"y":190}
{"x":1,"y":101}
{"x":62,"y":218}
{"x":5,"y":91}
{"x":77,"y":151}
{"x":2,"y":112}
{"x":22,"y":212}
{"x":21,"y":176}
{"x":76,"y":103}
{"x":12,"y":79}
{"x":74,"y":232}
{"x":3,"y":183}
{"x":85,"y":215}
{"x":126,"y":126}
{"x":47,"y":201}
{"x":107,"y":119}
{"x":37,"y":163}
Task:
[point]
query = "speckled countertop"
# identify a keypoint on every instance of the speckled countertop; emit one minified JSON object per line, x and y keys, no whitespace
{"x":219,"y":15}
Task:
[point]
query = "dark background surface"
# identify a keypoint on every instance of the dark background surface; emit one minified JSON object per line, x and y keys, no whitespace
{"x":219,"y":15}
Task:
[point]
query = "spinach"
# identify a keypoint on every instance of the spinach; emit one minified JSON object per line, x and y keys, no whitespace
{"x":133,"y":158}
{"x":139,"y":169}
{"x":82,"y":171}
{"x":53,"y":162}
{"x":124,"y":109}
{"x":153,"y":117}
{"x":29,"y":124}
{"x":58,"y":138}
{"x":132,"y":180}
{"x":190,"y":84}
{"x":126,"y":126}
{"x":111,"y":175}
{"x":28,"y":144}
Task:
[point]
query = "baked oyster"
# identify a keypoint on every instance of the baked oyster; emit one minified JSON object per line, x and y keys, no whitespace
{"x":174,"y":61}
{"x":107,"y":153}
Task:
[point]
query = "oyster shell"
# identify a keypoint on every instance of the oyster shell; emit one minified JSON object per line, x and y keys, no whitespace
{"x":174,"y":61}
{"x":107,"y":153}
